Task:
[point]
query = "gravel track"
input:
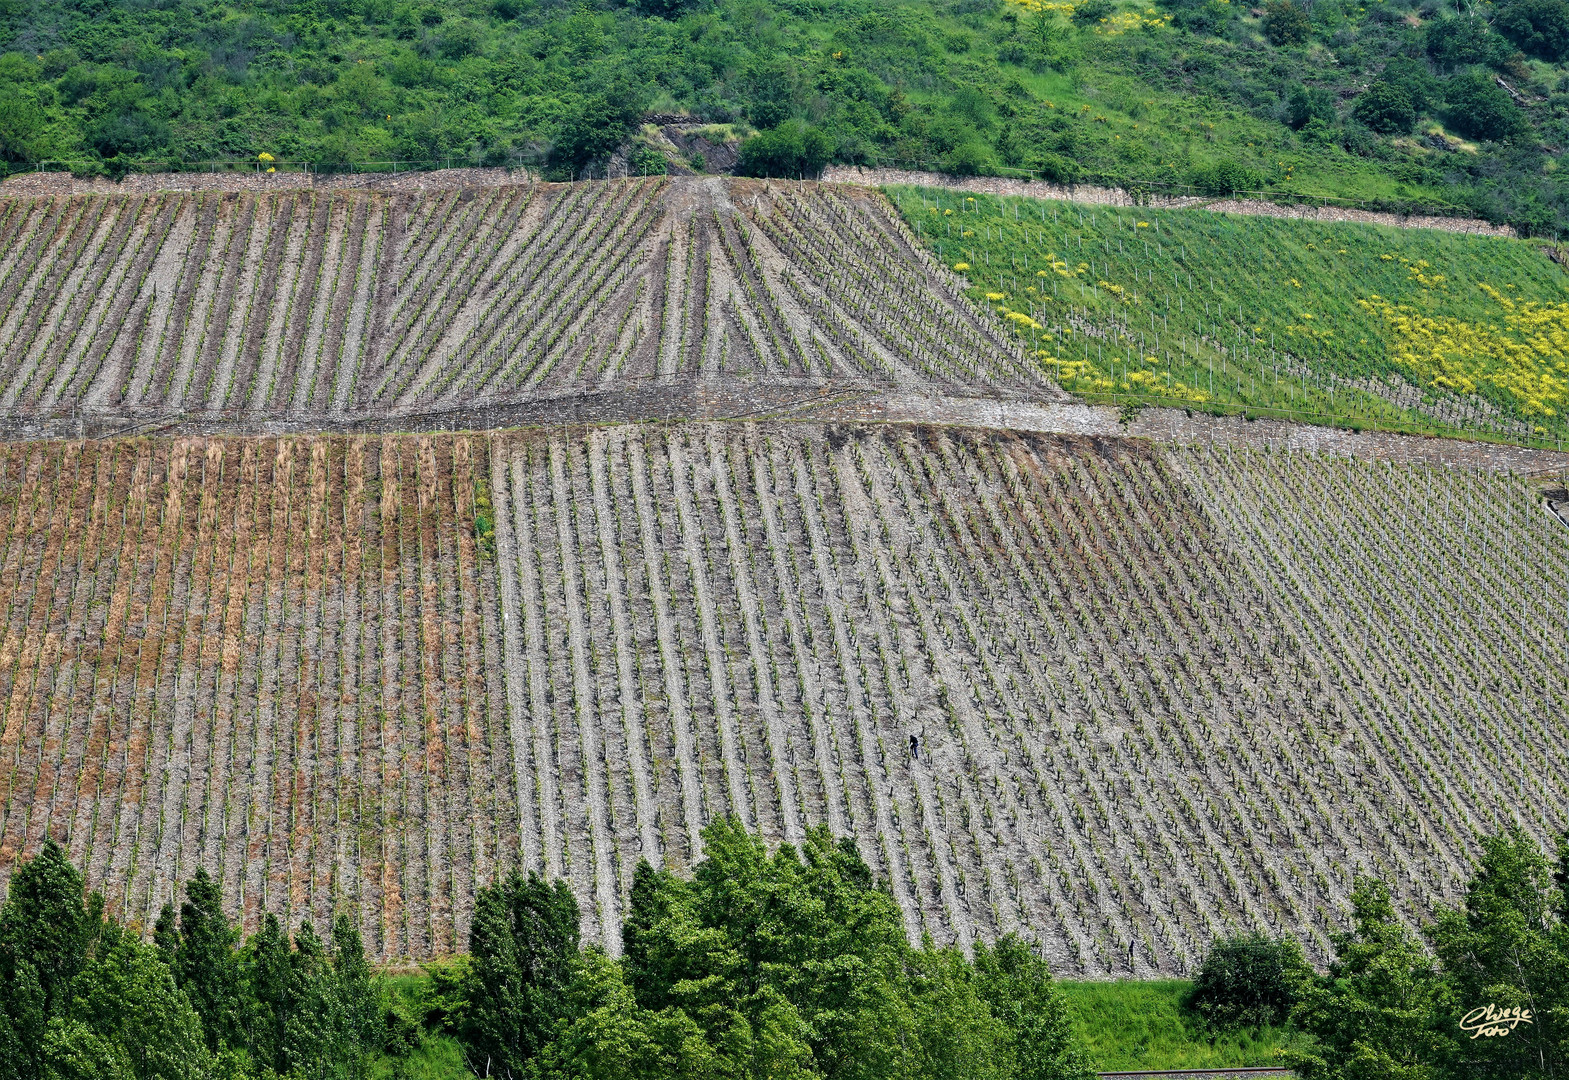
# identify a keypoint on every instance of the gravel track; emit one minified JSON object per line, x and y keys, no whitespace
{"x":1092,"y":195}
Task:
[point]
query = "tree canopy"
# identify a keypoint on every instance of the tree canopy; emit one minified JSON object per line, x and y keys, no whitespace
{"x":83,"y":998}
{"x":1388,"y":1007}
{"x":790,"y":964}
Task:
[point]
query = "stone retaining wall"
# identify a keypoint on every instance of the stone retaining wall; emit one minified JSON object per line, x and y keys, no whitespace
{"x":1179,"y":427}
{"x":62,"y":183}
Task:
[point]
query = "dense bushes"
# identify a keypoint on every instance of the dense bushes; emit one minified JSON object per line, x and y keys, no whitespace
{"x":1227,"y":177}
{"x":1459,"y":40}
{"x":1250,"y":980}
{"x":1286,"y":23}
{"x":20,"y":123}
{"x":595,"y":128}
{"x":1539,"y":28}
{"x":122,"y":84}
{"x":1480,"y":108}
{"x":793,"y":150}
{"x":1092,"y":11}
{"x":1308,"y":103}
{"x":1208,"y":17}
{"x":1386,"y":107}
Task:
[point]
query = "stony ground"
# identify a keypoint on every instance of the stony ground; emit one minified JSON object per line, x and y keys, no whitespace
{"x":339,"y":307}
{"x":1112,"y":695}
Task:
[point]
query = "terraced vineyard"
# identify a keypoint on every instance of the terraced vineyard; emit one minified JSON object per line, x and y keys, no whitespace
{"x":334,"y":305}
{"x":268,"y":658}
{"x":1113,"y":697}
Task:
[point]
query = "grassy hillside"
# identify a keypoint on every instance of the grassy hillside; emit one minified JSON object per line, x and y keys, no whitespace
{"x":1122,"y":1025}
{"x":1154,"y":694}
{"x":1357,"y":324}
{"x":1126,"y":1025}
{"x":1392,"y":101}
{"x":330,"y":305}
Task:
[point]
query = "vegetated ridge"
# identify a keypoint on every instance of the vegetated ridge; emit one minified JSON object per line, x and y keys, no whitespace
{"x":1397,"y":103}
{"x":339,"y":307}
{"x":1115,"y":698}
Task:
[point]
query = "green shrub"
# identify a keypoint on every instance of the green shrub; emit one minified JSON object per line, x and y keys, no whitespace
{"x":128,"y":132}
{"x":1385,"y":108}
{"x":1480,"y":108}
{"x":1308,"y":103}
{"x":1199,"y":16}
{"x":1227,"y":177}
{"x":1092,"y":11}
{"x":459,"y":39}
{"x":20,"y":124}
{"x":596,"y":128}
{"x":1359,"y":139}
{"x":1056,"y":168}
{"x":1412,"y":76}
{"x":970,"y":158}
{"x":646,"y":161}
{"x":1460,"y":40}
{"x":485,"y":515}
{"x":792,"y":150}
{"x":1319,"y":132}
{"x":666,"y":9}
{"x":1250,"y":980}
{"x":1286,"y":23}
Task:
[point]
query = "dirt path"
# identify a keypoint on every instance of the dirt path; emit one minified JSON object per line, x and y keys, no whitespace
{"x":1180,"y":428}
{"x":1104,"y":196}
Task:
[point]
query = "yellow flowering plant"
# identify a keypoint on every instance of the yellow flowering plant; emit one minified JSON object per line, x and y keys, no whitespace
{"x":1351,"y":323}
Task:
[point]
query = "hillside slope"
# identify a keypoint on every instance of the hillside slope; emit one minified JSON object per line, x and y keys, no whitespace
{"x":331,"y":307}
{"x":268,"y":658}
{"x":1394,"y":102}
{"x":1349,"y":324}
{"x":1153,"y":694}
